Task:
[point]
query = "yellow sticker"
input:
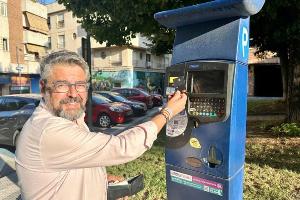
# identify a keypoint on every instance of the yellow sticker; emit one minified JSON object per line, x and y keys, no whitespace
{"x":194,"y":142}
{"x":172,"y":78}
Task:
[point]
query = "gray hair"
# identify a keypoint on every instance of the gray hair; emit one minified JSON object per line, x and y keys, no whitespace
{"x":62,"y":57}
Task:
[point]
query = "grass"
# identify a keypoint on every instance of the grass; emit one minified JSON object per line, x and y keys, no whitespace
{"x":265,"y":106}
{"x":272,"y":169}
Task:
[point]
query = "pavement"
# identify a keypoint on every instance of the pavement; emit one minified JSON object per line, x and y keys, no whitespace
{"x":9,"y":189}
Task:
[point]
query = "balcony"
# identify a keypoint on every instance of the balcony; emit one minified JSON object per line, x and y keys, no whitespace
{"x":35,"y":38}
{"x":34,"y":8}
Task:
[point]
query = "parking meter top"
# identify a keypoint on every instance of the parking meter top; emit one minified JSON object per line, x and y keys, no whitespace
{"x":209,"y":11}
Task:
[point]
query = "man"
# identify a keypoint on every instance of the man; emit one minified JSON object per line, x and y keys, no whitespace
{"x":57,"y":157}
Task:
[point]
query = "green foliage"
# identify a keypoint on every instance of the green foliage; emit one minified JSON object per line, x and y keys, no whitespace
{"x":116,"y":21}
{"x":276,"y":27}
{"x":287,"y":129}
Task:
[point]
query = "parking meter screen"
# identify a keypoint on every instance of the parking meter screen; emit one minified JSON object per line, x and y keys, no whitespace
{"x":211,"y":81}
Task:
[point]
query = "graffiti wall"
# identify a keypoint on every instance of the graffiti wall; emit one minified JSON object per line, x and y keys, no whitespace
{"x":149,"y":81}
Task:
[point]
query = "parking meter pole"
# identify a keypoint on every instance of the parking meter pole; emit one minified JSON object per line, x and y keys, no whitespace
{"x":89,"y":110}
{"x":205,"y":148}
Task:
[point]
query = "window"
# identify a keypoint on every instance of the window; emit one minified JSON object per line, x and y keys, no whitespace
{"x":60,"y":21}
{"x":11,"y":104}
{"x":61,"y":41}
{"x":3,"y":9}
{"x":2,"y":104}
{"x":148,"y":57}
{"x":74,"y":35}
{"x":49,"y":42}
{"x":48,"y":21}
{"x":117,"y":84}
{"x":148,"y":60}
{"x":5,"y":44}
{"x":141,"y":56}
{"x":103,"y":54}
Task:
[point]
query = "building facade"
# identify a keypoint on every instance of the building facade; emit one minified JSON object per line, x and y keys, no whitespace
{"x":125,"y":66}
{"x":24,"y":39}
{"x":264,"y":75}
{"x":116,"y":66}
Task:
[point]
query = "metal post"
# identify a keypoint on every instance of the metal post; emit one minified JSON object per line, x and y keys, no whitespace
{"x":89,"y":61}
{"x":19,"y":69}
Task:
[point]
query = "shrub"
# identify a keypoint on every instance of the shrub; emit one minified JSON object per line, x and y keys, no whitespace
{"x":287,"y":129}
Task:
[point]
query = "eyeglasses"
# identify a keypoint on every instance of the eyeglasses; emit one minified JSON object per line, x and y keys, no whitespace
{"x":64,"y":86}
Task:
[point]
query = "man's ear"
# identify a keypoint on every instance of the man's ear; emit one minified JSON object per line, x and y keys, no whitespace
{"x":42,"y":86}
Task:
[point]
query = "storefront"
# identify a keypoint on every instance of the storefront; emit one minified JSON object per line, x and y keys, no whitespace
{"x":149,"y":81}
{"x":19,"y":84}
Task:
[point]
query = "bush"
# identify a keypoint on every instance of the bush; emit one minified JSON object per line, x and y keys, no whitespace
{"x":287,"y":129}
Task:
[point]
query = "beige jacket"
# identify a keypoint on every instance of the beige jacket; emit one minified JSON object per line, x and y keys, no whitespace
{"x":60,"y":159}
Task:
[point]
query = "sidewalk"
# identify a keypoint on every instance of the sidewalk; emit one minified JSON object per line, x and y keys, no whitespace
{"x":9,"y":189}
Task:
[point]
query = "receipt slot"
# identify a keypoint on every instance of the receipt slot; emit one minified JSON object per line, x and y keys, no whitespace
{"x":205,"y":149}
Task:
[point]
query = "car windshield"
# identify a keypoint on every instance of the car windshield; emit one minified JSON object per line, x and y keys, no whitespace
{"x":119,"y":98}
{"x":98,"y":99}
{"x":144,"y":92}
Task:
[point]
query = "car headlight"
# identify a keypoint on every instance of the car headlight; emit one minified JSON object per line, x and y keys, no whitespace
{"x":115,"y":109}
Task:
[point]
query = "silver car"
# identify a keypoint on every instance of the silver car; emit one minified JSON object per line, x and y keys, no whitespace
{"x":14,"y":112}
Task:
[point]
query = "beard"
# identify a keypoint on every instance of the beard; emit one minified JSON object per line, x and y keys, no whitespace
{"x":71,"y":114}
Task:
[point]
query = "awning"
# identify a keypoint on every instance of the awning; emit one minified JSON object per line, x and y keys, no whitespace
{"x":36,"y":49}
{"x":37,"y":23}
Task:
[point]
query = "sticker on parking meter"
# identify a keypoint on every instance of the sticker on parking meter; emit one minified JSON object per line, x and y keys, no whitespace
{"x":177,"y":125}
{"x":194,"y":142}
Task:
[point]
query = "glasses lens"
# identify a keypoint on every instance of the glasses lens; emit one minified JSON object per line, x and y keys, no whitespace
{"x":81,"y":87}
{"x":61,"y":87}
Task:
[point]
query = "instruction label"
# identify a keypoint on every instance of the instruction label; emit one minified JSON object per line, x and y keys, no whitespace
{"x":197,"y":183}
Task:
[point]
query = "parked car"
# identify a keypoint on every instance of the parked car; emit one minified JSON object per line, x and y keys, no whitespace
{"x":137,"y":106}
{"x":14,"y":112}
{"x":106,"y":113}
{"x":136,"y":94}
{"x":157,"y":99}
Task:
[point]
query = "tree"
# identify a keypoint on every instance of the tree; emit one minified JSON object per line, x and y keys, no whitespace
{"x":117,"y":21}
{"x":276,"y":28}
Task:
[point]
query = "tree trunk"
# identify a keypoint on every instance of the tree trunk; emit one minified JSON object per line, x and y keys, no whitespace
{"x":294,"y":93}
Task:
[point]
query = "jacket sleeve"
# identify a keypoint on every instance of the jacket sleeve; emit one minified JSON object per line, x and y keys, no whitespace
{"x":65,"y":145}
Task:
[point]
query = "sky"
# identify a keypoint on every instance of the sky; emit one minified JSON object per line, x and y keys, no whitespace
{"x":46,"y":1}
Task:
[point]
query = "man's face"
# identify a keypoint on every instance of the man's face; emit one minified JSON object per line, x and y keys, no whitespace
{"x":62,"y":99}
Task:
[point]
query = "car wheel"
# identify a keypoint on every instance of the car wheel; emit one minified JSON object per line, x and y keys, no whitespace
{"x":104,"y":120}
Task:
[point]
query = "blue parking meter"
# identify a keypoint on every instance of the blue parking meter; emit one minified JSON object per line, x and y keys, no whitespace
{"x":205,"y":150}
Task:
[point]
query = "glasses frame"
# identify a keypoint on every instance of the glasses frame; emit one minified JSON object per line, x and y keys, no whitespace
{"x":55,"y":84}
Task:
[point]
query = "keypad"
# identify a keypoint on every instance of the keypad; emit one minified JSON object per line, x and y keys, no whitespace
{"x":210,"y":107}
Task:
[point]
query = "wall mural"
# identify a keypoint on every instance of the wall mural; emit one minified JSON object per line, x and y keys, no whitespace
{"x":150,"y":81}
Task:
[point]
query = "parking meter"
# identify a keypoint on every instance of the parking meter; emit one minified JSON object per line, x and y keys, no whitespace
{"x":205,"y":148}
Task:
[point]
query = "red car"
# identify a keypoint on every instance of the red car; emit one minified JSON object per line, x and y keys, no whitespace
{"x":107,"y":113}
{"x":157,"y":99}
{"x":136,"y":94}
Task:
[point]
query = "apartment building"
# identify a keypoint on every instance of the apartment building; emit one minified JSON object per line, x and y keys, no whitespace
{"x":116,"y":66}
{"x":4,"y":48}
{"x":64,"y":31}
{"x":126,"y":66}
{"x":23,"y":42}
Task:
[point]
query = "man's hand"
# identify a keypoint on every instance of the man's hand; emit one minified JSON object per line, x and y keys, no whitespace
{"x":116,"y":179}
